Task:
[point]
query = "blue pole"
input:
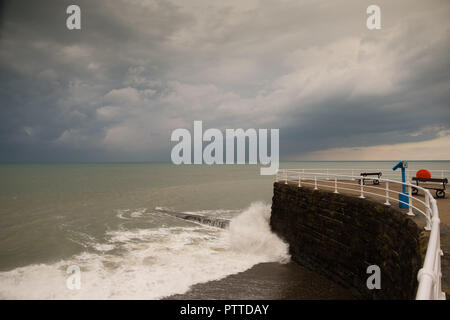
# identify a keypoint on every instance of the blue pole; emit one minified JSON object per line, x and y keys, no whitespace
{"x":403,"y":196}
{"x":403,"y":180}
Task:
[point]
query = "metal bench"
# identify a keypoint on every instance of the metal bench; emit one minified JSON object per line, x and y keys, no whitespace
{"x":432,"y":184}
{"x":364,"y":176}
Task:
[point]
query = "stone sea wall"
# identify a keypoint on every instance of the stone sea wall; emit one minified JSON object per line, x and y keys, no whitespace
{"x":340,"y":235}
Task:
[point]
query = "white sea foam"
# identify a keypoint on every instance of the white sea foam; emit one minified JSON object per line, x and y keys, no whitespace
{"x":154,"y":263}
{"x":250,"y":233}
{"x":127,"y":214}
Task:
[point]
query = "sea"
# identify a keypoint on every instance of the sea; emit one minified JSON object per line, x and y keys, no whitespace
{"x":108,"y":221}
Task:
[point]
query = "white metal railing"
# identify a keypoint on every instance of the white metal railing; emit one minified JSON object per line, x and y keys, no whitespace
{"x":429,"y":276}
{"x":439,"y":172}
{"x":386,"y":172}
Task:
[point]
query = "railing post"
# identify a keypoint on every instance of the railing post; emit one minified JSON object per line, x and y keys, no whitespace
{"x":387,"y":194}
{"x":362,"y":188}
{"x":440,"y":293}
{"x":410,"y":211}
{"x":335,"y":185}
{"x":428,"y":210}
{"x":315,"y":183}
{"x":299,"y":180}
{"x":285,"y":176}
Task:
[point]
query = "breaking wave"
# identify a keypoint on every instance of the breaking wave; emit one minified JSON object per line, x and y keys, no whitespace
{"x":153,"y":263}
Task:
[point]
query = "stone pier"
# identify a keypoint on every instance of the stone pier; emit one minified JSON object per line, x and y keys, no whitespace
{"x":340,"y":235}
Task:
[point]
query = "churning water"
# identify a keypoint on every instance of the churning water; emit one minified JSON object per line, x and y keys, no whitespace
{"x":102,"y":218}
{"x":106,"y":219}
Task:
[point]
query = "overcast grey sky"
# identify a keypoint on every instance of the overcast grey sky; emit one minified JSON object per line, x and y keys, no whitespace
{"x":138,"y":69}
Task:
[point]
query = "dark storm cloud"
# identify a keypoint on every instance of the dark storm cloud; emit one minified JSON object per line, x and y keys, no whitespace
{"x":415,"y":108}
{"x":139,"y":69}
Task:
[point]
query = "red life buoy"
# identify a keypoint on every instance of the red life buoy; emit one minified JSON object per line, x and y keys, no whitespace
{"x":423,"y":173}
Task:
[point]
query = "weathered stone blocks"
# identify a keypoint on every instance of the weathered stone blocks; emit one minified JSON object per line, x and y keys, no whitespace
{"x":340,"y":236}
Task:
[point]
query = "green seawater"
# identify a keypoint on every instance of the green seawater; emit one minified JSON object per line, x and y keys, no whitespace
{"x":102,"y":216}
